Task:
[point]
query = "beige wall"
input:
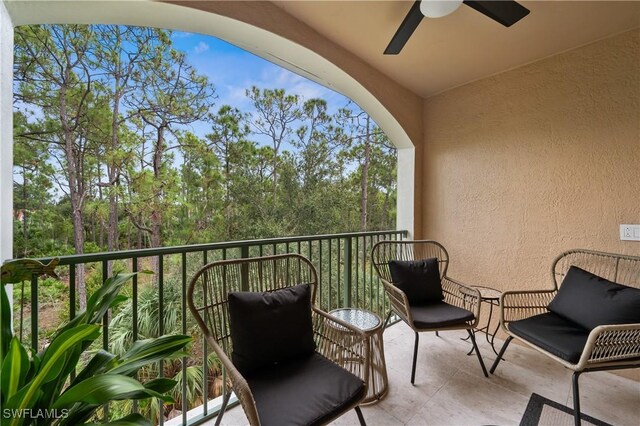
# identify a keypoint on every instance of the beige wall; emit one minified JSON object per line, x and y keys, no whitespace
{"x":525,"y":164}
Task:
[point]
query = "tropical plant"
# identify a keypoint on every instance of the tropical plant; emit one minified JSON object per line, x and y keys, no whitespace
{"x":39,"y":387}
{"x":149,"y":319}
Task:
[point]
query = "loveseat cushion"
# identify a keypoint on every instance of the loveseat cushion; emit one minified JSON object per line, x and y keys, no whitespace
{"x":553,"y":333}
{"x":590,"y":300}
{"x":307,"y":391}
{"x":439,"y":315}
{"x":418,"y":279}
{"x":270,"y":327}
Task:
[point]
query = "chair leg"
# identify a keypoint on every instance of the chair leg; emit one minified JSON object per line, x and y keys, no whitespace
{"x":360,"y":416}
{"x":386,"y":322}
{"x":475,"y":346}
{"x":223,"y":407}
{"x":415,"y":358}
{"x":576,"y":398}
{"x":504,"y":348}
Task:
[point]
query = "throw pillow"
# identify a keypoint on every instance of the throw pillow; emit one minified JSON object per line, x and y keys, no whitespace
{"x":590,"y":300}
{"x":270,"y":327}
{"x":418,"y":279}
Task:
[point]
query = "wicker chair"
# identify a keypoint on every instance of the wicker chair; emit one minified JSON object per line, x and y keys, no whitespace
{"x":335,"y":340}
{"x":607,"y":347}
{"x":455,"y":293}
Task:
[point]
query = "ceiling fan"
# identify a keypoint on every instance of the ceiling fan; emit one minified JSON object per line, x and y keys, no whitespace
{"x":506,"y":12}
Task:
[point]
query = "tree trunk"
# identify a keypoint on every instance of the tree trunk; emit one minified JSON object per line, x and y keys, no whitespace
{"x":156,"y":214}
{"x":364,"y":183}
{"x":227,"y":192}
{"x":76,"y":195}
{"x":112,"y":175}
{"x":25,"y":232}
{"x":385,"y":209}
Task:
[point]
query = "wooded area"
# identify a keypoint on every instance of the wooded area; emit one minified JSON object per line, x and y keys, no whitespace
{"x":106,"y":158}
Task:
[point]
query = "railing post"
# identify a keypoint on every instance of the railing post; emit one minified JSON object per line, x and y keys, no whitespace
{"x":34,"y":311}
{"x":348,"y":267}
{"x":244,"y":272}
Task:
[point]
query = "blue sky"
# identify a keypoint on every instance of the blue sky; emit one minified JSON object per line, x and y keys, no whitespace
{"x":233,"y":70}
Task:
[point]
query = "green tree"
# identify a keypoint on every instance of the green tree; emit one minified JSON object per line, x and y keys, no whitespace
{"x":202,"y":190}
{"x":54,"y":72}
{"x":31,"y":188}
{"x":276,"y":113}
{"x":317,"y":199}
{"x":122,"y":51}
{"x":236,"y":155}
{"x":364,"y":143}
{"x":174,"y":95}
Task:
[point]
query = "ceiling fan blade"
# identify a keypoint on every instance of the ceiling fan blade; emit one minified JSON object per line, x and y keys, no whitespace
{"x":505,"y":12}
{"x":405,"y":30}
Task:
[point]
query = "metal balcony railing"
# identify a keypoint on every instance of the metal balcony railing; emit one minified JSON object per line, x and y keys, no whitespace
{"x":345,"y":274}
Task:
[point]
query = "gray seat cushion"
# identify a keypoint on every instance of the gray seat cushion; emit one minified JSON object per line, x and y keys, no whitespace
{"x":439,"y":315}
{"x":553,"y":333}
{"x":306,"y":391}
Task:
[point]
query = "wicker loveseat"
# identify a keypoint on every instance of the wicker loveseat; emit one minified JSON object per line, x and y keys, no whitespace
{"x":588,"y":321}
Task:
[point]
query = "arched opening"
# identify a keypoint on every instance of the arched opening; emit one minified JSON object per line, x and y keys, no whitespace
{"x":266,"y":44}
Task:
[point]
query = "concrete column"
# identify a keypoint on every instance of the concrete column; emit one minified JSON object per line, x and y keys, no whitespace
{"x":6,"y":136}
{"x":406,"y":190}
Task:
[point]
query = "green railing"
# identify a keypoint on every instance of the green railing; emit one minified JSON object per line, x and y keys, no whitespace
{"x":345,"y":274}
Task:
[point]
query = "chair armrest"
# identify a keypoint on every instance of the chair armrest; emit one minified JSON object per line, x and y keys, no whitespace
{"x":608,"y":343}
{"x":398,"y":300}
{"x":240,"y":385}
{"x":342,"y":343}
{"x":517,"y":305}
{"x":462,"y":296}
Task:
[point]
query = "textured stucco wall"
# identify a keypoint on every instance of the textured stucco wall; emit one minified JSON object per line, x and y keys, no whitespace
{"x":528,"y":163}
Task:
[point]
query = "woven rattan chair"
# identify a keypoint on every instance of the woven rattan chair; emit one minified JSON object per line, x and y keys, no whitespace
{"x":272,"y":401}
{"x":455,"y":293}
{"x":607,"y":347}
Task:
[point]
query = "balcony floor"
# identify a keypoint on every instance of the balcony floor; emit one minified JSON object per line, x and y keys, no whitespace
{"x":451,"y":390}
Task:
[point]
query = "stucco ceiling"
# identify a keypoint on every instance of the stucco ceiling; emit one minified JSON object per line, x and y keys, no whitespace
{"x":466,"y":45}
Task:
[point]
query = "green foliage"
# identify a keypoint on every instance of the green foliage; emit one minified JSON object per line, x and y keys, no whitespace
{"x":51,"y":289}
{"x":143,"y":178}
{"x":42,"y":380}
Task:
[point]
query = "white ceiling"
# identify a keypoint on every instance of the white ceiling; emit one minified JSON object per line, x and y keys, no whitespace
{"x":466,"y":45}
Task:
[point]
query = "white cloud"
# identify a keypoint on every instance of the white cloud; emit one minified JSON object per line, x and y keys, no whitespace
{"x":275,"y":77}
{"x":201,"y":47}
{"x":180,"y":34}
{"x":237,"y":94}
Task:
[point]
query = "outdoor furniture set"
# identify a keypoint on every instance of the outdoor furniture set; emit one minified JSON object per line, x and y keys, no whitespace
{"x":291,"y":363}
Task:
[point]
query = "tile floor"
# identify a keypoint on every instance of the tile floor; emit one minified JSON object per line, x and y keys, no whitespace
{"x":451,"y":390}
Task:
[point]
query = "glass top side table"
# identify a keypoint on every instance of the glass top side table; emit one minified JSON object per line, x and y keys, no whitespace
{"x":491,"y":296}
{"x":372,"y":326}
